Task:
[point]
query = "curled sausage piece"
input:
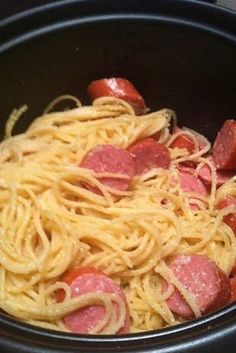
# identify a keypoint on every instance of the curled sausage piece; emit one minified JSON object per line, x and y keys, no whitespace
{"x":119,"y":88}
{"x":149,"y":154}
{"x":203,"y":279}
{"x":90,"y":280}
{"x":110,"y":159}
{"x":224,"y":148}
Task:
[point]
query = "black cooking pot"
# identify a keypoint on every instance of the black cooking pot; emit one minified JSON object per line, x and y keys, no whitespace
{"x":180,"y":54}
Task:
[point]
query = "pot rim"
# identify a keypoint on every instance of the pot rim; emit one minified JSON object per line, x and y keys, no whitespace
{"x":50,"y":17}
{"x":34,"y":23}
{"x":209,"y":321}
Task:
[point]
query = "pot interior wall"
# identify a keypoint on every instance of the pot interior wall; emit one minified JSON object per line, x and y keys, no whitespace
{"x":186,"y":69}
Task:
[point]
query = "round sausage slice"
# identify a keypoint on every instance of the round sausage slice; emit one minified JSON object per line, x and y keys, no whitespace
{"x":110,"y":159}
{"x":191,"y":183}
{"x":149,"y":154}
{"x":189,"y":167}
{"x":89,"y":280}
{"x":156,"y":136}
{"x":233,"y":289}
{"x":224,"y":148}
{"x":205,"y":281}
{"x":233,"y":272}
{"x":221,"y":175}
{"x":183,"y":141}
{"x":70,"y":276}
{"x":229,"y":219}
{"x":119,"y":88}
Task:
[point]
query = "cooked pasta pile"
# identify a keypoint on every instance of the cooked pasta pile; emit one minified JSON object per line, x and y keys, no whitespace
{"x":49,"y":222}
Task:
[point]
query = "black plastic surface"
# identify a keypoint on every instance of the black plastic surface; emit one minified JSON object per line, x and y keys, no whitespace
{"x":180,"y":54}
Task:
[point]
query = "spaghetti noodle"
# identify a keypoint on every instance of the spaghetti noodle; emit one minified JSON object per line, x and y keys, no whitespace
{"x":50,"y":222}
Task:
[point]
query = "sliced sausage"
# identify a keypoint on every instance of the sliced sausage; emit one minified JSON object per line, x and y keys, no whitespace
{"x":229,"y":219}
{"x":205,"y":281}
{"x":149,"y":154}
{"x":110,"y":159}
{"x":191,"y":183}
{"x":89,"y":280}
{"x":119,"y":88}
{"x":233,"y":289}
{"x":224,"y":148}
{"x":202,"y":140}
{"x":233,"y":272}
{"x":221,"y":175}
{"x":187,"y":167}
{"x":184,"y":141}
{"x":70,"y":276}
{"x":156,"y":136}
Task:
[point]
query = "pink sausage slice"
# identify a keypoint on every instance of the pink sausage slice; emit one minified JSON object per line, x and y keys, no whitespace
{"x":183,"y":141}
{"x":205,"y":281}
{"x":110,"y":159}
{"x":119,"y":88}
{"x":186,"y":167}
{"x":221,"y":175}
{"x":202,"y":141}
{"x":190,"y":183}
{"x":224,"y":148}
{"x":86,"y":319}
{"x":149,"y":154}
{"x":229,"y":219}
